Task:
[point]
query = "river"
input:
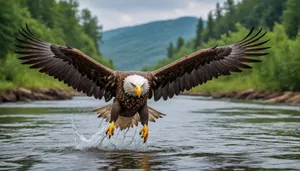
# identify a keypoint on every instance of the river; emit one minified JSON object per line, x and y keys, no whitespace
{"x":197,"y":134}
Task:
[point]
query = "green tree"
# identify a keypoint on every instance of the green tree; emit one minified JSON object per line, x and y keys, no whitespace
{"x":218,"y":11}
{"x":10,"y":17}
{"x":68,"y":21}
{"x":170,"y":50}
{"x":90,"y":26}
{"x":291,"y":17}
{"x":218,"y":28}
{"x":43,"y":10}
{"x":259,"y":13}
{"x":54,"y":21}
{"x":209,"y":31}
{"x":180,"y":43}
{"x":229,"y":6}
{"x":279,"y":70}
{"x":272,"y":12}
{"x":199,"y":32}
{"x":230,"y":17}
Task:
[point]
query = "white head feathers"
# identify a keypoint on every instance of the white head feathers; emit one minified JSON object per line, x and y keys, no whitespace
{"x":132,"y":81}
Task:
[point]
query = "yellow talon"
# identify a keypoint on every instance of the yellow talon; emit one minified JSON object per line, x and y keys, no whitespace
{"x":144,"y":133}
{"x":110,"y":130}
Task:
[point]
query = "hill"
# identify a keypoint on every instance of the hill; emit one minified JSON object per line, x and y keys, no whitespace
{"x":132,"y":48}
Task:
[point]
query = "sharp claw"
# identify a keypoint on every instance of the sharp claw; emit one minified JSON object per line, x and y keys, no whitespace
{"x":144,"y":133}
{"x":110,"y":130}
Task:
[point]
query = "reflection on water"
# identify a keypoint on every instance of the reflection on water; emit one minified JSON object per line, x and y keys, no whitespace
{"x":205,"y":134}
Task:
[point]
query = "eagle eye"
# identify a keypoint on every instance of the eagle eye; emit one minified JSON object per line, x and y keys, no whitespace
{"x":132,"y":84}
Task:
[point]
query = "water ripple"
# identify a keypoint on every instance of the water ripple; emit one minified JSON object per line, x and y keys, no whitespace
{"x":205,"y":133}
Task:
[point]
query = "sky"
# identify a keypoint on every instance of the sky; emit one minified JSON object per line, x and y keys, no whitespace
{"x":114,"y":14}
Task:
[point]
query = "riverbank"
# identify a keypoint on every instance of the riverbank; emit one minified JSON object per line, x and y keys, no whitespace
{"x":28,"y":95}
{"x":287,"y":97}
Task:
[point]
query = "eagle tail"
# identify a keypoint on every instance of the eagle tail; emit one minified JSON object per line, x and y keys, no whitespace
{"x":126,"y":122}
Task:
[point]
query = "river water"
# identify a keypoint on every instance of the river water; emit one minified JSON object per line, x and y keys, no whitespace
{"x":197,"y":134}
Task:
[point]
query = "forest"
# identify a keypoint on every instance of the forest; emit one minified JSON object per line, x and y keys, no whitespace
{"x":62,"y":22}
{"x":58,"y":22}
{"x":229,"y":23}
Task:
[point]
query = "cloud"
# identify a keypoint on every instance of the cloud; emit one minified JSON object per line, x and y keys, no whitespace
{"x":116,"y":13}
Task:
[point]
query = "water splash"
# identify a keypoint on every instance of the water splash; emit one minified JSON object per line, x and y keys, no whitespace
{"x":122,"y":140}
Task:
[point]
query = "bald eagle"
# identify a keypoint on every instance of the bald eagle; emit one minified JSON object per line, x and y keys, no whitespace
{"x":131,"y":90}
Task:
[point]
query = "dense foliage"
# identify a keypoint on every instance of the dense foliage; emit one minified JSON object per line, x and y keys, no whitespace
{"x":280,"y":70}
{"x":58,"y":22}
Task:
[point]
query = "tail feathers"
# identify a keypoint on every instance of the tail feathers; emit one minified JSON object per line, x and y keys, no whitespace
{"x":154,"y":114}
{"x":127,"y":122}
{"x":104,"y":112}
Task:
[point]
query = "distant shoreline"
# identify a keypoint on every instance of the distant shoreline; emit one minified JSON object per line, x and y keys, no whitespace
{"x":28,"y":95}
{"x":287,"y":97}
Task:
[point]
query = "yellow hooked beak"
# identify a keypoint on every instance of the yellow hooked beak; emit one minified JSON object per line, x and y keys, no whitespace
{"x":138,"y":90}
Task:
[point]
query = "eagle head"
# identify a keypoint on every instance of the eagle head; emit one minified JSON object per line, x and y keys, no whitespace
{"x":136,"y":85}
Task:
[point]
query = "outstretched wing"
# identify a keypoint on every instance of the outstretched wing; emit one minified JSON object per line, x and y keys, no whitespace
{"x":67,"y":64}
{"x":206,"y":64}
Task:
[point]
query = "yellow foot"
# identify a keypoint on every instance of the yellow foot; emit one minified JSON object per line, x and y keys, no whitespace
{"x":110,"y":130}
{"x":144,"y":133}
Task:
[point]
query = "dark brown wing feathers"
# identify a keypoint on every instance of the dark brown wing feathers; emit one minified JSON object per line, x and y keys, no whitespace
{"x":67,"y":64}
{"x":206,"y":64}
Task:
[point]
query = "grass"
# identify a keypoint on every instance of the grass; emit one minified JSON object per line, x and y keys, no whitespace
{"x":231,"y":83}
{"x":13,"y":75}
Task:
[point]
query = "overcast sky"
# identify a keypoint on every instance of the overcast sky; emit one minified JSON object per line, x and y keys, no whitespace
{"x":119,"y":13}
